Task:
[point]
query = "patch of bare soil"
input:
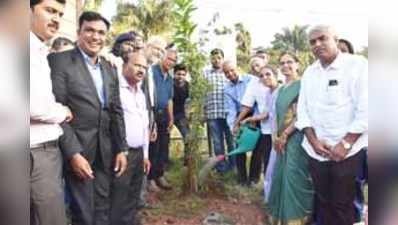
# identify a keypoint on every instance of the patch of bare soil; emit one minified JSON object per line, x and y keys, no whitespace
{"x":188,"y":211}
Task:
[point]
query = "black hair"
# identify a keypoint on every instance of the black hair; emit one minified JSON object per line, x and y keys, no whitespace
{"x":349,"y":45}
{"x":179,"y":67}
{"x":217,"y":51}
{"x":92,"y":16}
{"x":294,"y":56}
{"x":273,"y":70}
{"x":171,"y":45}
{"x":116,"y":49}
{"x":59,"y":42}
{"x":36,"y":2}
{"x":117,"y":45}
{"x":261,"y":51}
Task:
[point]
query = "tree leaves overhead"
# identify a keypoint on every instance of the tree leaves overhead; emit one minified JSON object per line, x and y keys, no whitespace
{"x":243,"y":40}
{"x":93,"y":5}
{"x":293,"y":40}
{"x":151,"y":17}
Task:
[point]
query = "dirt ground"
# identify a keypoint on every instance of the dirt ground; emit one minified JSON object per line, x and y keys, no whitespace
{"x":241,"y":212}
{"x":240,"y":205}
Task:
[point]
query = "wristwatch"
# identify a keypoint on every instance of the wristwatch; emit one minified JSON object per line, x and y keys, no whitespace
{"x":347,"y":146}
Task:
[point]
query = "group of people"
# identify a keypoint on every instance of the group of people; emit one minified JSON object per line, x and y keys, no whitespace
{"x":98,"y":126}
{"x":100,"y":123}
{"x":314,"y":129}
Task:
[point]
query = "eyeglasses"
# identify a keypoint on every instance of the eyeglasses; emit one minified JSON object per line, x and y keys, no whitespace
{"x":267,"y":74}
{"x":289,"y":62}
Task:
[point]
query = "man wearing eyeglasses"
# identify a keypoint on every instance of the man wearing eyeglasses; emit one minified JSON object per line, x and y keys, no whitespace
{"x":159,"y":151}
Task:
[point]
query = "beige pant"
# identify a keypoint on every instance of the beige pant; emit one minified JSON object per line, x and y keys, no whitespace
{"x":46,"y":193}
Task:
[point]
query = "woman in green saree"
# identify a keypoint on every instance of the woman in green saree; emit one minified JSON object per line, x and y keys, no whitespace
{"x":291,"y":196}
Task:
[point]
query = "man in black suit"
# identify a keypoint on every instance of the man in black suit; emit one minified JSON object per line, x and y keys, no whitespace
{"x":94,"y":143}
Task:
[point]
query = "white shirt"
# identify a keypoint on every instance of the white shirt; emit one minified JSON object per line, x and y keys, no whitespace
{"x":334,"y":101}
{"x":272,"y":111}
{"x":151,"y":86}
{"x":135,"y":116}
{"x":45,"y":113}
{"x":256,"y":92}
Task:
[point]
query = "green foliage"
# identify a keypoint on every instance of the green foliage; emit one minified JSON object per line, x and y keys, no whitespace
{"x":243,"y":40}
{"x":92,"y":5}
{"x":306,"y":58}
{"x":294,"y":40}
{"x":222,"y":31}
{"x":195,"y":60}
{"x":151,"y":17}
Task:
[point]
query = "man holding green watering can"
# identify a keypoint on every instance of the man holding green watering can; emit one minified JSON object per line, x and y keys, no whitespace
{"x":234,"y":91}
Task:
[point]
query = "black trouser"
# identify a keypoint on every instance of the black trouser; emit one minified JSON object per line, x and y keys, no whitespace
{"x":90,"y":199}
{"x":159,"y":150}
{"x":126,"y":190}
{"x":362,"y":178}
{"x":260,"y":156}
{"x":183,"y":128}
{"x":334,"y":184}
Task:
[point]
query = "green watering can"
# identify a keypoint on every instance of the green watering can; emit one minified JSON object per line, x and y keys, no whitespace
{"x":246,"y":139}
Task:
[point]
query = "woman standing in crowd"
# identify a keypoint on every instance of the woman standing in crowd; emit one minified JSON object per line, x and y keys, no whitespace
{"x":269,"y":78}
{"x":291,"y":196}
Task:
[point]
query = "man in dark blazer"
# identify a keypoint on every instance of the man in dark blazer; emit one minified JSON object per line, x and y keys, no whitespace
{"x":94,"y":143}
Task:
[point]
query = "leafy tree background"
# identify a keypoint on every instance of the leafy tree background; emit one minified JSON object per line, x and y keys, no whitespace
{"x":195,"y":60}
{"x":293,"y":40}
{"x":151,"y":17}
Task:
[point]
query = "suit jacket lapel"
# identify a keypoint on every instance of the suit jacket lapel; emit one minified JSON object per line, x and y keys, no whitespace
{"x":78,"y":57}
{"x":106,"y":73}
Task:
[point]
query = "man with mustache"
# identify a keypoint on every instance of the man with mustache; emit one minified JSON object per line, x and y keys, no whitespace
{"x":94,"y":143}
{"x":135,"y":107}
{"x":46,"y":115}
{"x":333,"y":112}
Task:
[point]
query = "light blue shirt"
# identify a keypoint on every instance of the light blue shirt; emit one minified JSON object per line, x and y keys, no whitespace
{"x":233,"y":93}
{"x":96,"y":74}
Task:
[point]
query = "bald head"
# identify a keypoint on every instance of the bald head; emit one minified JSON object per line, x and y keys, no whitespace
{"x":256,"y":63}
{"x":230,"y":71}
{"x":135,"y":67}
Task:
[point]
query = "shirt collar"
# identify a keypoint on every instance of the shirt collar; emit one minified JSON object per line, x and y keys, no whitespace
{"x":338,"y":61}
{"x":336,"y":64}
{"x":214,"y":70}
{"x":240,"y":80}
{"x":124,"y":84}
{"x":35,"y":42}
{"x":87,"y":59}
{"x":161,"y":74}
